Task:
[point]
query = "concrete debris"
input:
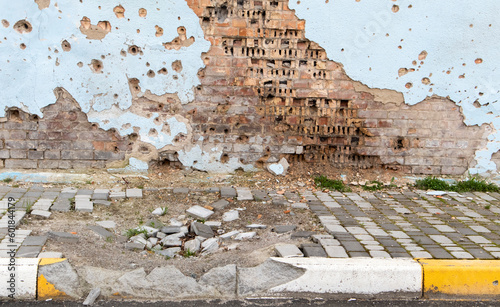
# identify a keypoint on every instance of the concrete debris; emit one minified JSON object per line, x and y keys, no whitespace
{"x":280,"y":168}
{"x":230,"y":216}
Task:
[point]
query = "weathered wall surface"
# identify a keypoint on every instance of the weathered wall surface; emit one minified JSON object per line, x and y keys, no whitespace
{"x":220,"y":85}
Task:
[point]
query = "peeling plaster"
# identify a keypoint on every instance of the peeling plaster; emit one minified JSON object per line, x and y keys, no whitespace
{"x":206,"y":158}
{"x":96,"y":72}
{"x":453,"y":47}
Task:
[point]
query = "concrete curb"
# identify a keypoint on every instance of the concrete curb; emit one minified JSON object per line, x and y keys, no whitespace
{"x":44,"y":279}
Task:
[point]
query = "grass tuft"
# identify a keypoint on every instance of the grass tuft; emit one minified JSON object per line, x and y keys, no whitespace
{"x":472,"y":184}
{"x":373,"y":186}
{"x":325,"y":183}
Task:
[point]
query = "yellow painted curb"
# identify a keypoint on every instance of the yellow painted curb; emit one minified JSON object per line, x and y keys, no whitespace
{"x":460,"y":278}
{"x":46,"y":290}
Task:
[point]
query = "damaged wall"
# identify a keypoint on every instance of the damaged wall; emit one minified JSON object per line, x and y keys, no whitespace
{"x":225,"y":84}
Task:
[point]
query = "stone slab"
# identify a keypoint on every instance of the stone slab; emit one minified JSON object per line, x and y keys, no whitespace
{"x":288,"y":250}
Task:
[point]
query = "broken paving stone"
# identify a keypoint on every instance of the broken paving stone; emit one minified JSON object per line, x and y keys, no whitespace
{"x":150,"y":231}
{"x":170,"y":241}
{"x":192,"y":245}
{"x":161,"y":235}
{"x":229,"y":235}
{"x":227,"y":192}
{"x":101,"y":231}
{"x":175,"y":222}
{"x":133,"y":193}
{"x":35,"y":240}
{"x":102,"y":202}
{"x":202,"y":230}
{"x":230,"y":216}
{"x":134,"y":245}
{"x":246,"y":236}
{"x":284,"y":228}
{"x":302,"y":234}
{"x":200,"y":212}
{"x":210,"y":245}
{"x":28,"y":251}
{"x":288,"y":251}
{"x":244,"y":194}
{"x":169,"y":252}
{"x":63,"y":236}
{"x":84,"y":206}
{"x":257,"y":226}
{"x":93,"y":295}
{"x":106,"y":224}
{"x":42,"y":213}
{"x":117,"y":195}
{"x":220,"y":204}
{"x":280,"y":168}
{"x":159,"y":211}
{"x":170,"y":229}
{"x":139,"y":239}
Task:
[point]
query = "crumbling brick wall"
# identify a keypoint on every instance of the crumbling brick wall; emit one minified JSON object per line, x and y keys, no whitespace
{"x":62,"y":139}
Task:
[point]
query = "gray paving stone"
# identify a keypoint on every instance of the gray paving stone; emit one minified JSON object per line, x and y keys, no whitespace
{"x":84,"y":206}
{"x":302,"y":234}
{"x":63,"y":236}
{"x":50,"y":255}
{"x":41,"y":213}
{"x":203,"y":230}
{"x":313,"y":250}
{"x":170,"y":229}
{"x":199,"y":212}
{"x":260,"y":195}
{"x":134,"y":193}
{"x":101,"y":231}
{"x":379,"y":254}
{"x":244,"y":194}
{"x":28,"y":251}
{"x":106,"y":224}
{"x":336,"y":252}
{"x":284,"y":228}
{"x":84,"y":192}
{"x":35,"y":240}
{"x":117,"y":195}
{"x":220,"y":204}
{"x":102,"y":202}
{"x":288,"y":251}
{"x":181,"y":191}
{"x":61,"y":206}
{"x":353,"y":246}
{"x":479,"y":239}
{"x":133,"y":246}
{"x":227,"y":192}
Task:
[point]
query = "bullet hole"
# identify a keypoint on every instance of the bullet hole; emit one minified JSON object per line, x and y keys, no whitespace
{"x":402,"y":71}
{"x":222,"y":13}
{"x":22,"y":46}
{"x":14,"y":115}
{"x":478,"y":61}
{"x":159,"y":31}
{"x":80,"y":64}
{"x":144,"y":150}
{"x":96,"y":66}
{"x":163,"y":71}
{"x":426,"y":81}
{"x":133,"y":137}
{"x":143,"y":12}
{"x":104,"y":25}
{"x":151,"y":74}
{"x":153,"y":132}
{"x":5,"y":23}
{"x":399,"y":144}
{"x":224,"y":158}
{"x":65,"y":45}
{"x":495,"y":283}
{"x":85,"y":23}
{"x":123,"y":53}
{"x":175,"y":77}
{"x":422,"y":56}
{"x":23,"y":26}
{"x":134,"y":50}
{"x":226,"y":131}
{"x":119,"y":11}
{"x":242,"y":139}
{"x":395,"y":8}
{"x":408,"y":85}
{"x":181,"y":30}
{"x":177,"y":66}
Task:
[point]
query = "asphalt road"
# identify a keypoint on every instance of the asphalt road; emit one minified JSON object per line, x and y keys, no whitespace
{"x":262,"y":302}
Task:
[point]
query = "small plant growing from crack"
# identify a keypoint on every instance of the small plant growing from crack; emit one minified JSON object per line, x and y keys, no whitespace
{"x":7,"y":180}
{"x":29,"y":206}
{"x":134,"y":232}
{"x":188,"y":253}
{"x":325,"y":183}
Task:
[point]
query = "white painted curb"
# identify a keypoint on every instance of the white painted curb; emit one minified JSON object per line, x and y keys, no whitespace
{"x":25,"y":278}
{"x":363,"y":276}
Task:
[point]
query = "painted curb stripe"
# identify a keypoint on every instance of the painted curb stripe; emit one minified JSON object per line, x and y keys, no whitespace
{"x":45,"y":289}
{"x":365,"y":276}
{"x":26,"y":270}
{"x":461,"y":278}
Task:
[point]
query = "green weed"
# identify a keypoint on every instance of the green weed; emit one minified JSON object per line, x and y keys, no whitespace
{"x":325,"y":183}
{"x":472,"y":184}
{"x":373,"y":186}
{"x":188,"y":253}
{"x":134,"y":232}
{"x":7,"y":180}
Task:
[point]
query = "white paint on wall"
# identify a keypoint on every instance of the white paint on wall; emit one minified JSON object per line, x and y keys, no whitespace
{"x":461,"y":39}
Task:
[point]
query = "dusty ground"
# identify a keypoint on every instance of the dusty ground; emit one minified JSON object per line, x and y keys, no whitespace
{"x":95,"y":251}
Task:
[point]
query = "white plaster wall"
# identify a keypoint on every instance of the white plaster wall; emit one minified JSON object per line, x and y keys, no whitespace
{"x":373,"y":41}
